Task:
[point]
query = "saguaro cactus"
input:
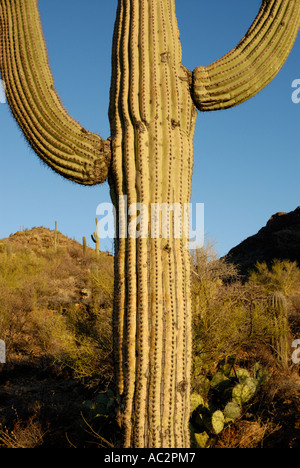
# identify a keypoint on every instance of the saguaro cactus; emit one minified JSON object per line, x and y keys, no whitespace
{"x":84,"y":246}
{"x":280,"y":326}
{"x":55,"y":237}
{"x":96,"y":239}
{"x":148,"y":159}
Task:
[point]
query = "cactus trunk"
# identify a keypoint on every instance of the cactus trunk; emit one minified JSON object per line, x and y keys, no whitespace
{"x":152,"y":120}
{"x":280,"y":327}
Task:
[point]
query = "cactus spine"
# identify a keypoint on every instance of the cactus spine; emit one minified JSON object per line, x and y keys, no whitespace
{"x":96,"y":239}
{"x":152,"y":118}
{"x":58,"y":140}
{"x":149,"y":160}
{"x":280,"y":327}
{"x":246,"y":69}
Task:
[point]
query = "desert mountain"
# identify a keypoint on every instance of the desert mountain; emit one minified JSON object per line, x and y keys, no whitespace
{"x":279,"y":239}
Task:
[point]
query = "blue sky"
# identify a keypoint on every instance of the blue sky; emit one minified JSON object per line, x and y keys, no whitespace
{"x":246,"y":164}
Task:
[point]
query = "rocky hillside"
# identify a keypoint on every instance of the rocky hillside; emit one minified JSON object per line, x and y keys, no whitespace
{"x":67,"y":268}
{"x":279,"y":239}
{"x":56,"y":302}
{"x":55,"y":319}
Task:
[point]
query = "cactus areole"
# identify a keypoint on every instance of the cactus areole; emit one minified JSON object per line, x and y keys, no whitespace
{"x":148,"y":159}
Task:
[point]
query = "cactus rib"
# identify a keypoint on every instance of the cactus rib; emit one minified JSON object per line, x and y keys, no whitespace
{"x":254,"y":62}
{"x":152,"y":116}
{"x":60,"y":141}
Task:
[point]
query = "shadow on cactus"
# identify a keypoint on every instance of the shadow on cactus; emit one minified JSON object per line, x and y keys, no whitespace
{"x":223,"y":399}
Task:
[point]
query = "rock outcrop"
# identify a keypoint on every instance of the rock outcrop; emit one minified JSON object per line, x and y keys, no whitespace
{"x":279,"y":239}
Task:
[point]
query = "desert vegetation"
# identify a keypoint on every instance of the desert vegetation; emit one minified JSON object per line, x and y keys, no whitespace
{"x":56,"y":389}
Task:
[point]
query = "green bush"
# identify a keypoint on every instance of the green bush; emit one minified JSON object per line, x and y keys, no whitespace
{"x":227,"y":314}
{"x":40,"y":315}
{"x":230,"y":315}
{"x":282,"y":275}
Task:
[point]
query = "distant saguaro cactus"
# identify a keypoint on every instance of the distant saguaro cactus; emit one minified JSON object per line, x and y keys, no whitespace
{"x":84,"y":246}
{"x":55,"y":237}
{"x":280,"y":334}
{"x":95,"y":238}
{"x":149,"y":159}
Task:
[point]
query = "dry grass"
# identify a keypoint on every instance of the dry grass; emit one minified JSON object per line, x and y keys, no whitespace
{"x":25,"y":434}
{"x":246,"y":434}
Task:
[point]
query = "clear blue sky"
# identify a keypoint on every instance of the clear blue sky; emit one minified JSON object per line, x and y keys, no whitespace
{"x":246,"y":165}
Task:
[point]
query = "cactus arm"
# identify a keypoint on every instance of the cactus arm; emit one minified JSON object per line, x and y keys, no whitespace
{"x":254,"y":62}
{"x":58,"y":140}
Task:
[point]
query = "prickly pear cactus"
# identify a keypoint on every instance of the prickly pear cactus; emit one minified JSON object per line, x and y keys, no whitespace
{"x":243,"y":392}
{"x":217,"y":422}
{"x":148,"y":160}
{"x":232,"y":389}
{"x":232,"y":411}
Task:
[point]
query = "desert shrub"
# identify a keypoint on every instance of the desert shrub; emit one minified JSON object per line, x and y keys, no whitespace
{"x":230,"y":315}
{"x":90,"y":349}
{"x":281,"y":283}
{"x":246,"y":434}
{"x":102,"y":285}
{"x":25,"y":434}
{"x":226,"y":313}
{"x":282,"y":275}
{"x":21,"y":283}
{"x":41,"y":312}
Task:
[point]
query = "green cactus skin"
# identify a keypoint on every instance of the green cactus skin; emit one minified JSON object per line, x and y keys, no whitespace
{"x":152,"y":118}
{"x":149,"y":158}
{"x":57,"y":139}
{"x":253,"y":63}
{"x":232,"y":411}
{"x":278,"y":303}
{"x":96,"y":238}
{"x":217,"y":421}
{"x":280,"y":340}
{"x":236,"y":390}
